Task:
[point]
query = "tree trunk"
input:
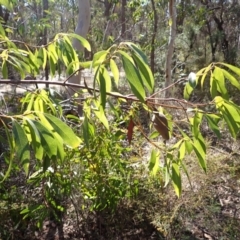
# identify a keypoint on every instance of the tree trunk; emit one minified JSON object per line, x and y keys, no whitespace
{"x":44,"y":35}
{"x":83,"y":22}
{"x":172,"y":35}
{"x":123,"y":19}
{"x":82,"y":30}
{"x":152,"y":57}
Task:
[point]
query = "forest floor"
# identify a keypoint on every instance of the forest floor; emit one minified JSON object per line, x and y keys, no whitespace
{"x":209,"y":209}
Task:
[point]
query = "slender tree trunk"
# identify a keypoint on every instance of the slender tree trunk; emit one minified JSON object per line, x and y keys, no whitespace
{"x":44,"y":36}
{"x":73,"y":19}
{"x":123,"y":19}
{"x":83,"y":22}
{"x":152,"y":57}
{"x":172,"y":35}
{"x":82,"y":30}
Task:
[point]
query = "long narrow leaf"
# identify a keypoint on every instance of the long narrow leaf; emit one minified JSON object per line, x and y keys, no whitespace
{"x":21,"y":145}
{"x":134,"y":78}
{"x":65,"y":132}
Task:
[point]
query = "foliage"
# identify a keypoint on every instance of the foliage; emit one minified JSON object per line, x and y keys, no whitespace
{"x":60,"y":158}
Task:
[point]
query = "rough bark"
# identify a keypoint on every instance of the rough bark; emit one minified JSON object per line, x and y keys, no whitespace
{"x":172,"y":35}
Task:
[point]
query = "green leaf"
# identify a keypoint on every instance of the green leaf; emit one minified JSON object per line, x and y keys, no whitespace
{"x":213,"y":86}
{"x":64,"y":131}
{"x":21,"y":145}
{"x":181,"y":151}
{"x":176,"y":178}
{"x":36,"y":139}
{"x":137,"y":51}
{"x":187,"y":91}
{"x":85,"y":128}
{"x":82,"y":40}
{"x":10,"y":157}
{"x":31,"y":102}
{"x":200,"y":150}
{"x":203,"y":73}
{"x":229,"y":116}
{"x":145,"y":72}
{"x":115,"y":71}
{"x":233,"y":68}
{"x":52,"y":65}
{"x":58,"y":139}
{"x":187,"y":141}
{"x":219,"y":77}
{"x":45,"y":55}
{"x":154,"y":135}
{"x":196,"y":124}
{"x":4,"y":69}
{"x":99,"y":57}
{"x":2,"y":31}
{"x":101,"y":116}
{"x":232,"y":118}
{"x":188,"y":145}
{"x":154,"y":162}
{"x":48,"y":142}
{"x":8,"y":4}
{"x":33,"y":62}
{"x":212,"y":122}
{"x":134,"y":79}
{"x":231,"y":78}
{"x":102,"y":83}
{"x":52,"y":52}
{"x":107,"y":79}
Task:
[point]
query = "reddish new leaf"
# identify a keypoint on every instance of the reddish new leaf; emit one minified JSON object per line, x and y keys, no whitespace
{"x":130,"y":130}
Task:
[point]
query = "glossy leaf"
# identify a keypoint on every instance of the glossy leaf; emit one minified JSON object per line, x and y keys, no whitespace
{"x":213,"y":86}
{"x":231,"y":78}
{"x":233,"y":68}
{"x":115,"y":71}
{"x":36,"y":139}
{"x":203,"y":73}
{"x":82,"y":40}
{"x":4,"y":70}
{"x":133,"y":78}
{"x":101,"y":116}
{"x":10,"y":156}
{"x":219,"y":78}
{"x":47,"y":140}
{"x":64,"y":131}
{"x":136,"y":49}
{"x":176,"y":179}
{"x":200,"y":150}
{"x":102,"y":84}
{"x":145,"y":72}
{"x":212,"y":123}
{"x":154,"y":166}
{"x":154,"y":134}
{"x":187,"y":91}
{"x":181,"y":151}
{"x":99,"y":57}
{"x":21,"y":145}
{"x":85,"y":128}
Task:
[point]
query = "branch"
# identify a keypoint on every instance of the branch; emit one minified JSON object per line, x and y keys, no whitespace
{"x":129,"y":97}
